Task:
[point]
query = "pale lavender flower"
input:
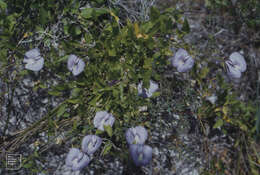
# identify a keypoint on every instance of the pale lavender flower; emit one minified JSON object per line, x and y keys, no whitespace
{"x":143,"y":92}
{"x":103,"y":118}
{"x":236,"y":64}
{"x":33,"y":60}
{"x":212,"y":99}
{"x":75,"y":65}
{"x":182,"y":60}
{"x":76,"y":160}
{"x":141,"y":154}
{"x":136,"y":135}
{"x":90,"y":144}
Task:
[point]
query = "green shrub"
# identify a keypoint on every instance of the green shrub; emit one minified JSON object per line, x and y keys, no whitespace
{"x":118,"y":54}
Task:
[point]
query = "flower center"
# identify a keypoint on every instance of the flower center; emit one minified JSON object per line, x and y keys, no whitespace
{"x":92,"y":143}
{"x":140,"y":156}
{"x":75,"y":161}
{"x":137,"y":138}
{"x":76,"y":61}
{"x":75,"y":65}
{"x":184,"y":59}
{"x":235,"y":66}
{"x":104,"y":121}
{"x":31,"y":61}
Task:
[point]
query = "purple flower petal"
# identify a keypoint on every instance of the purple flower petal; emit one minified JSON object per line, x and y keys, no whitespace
{"x":71,"y":60}
{"x":33,"y":53}
{"x":75,"y":65}
{"x":103,"y":118}
{"x":137,"y":135}
{"x":153,"y":88}
{"x":79,"y":68}
{"x":238,"y":61}
{"x":90,"y":144}
{"x":76,"y":160}
{"x":143,"y":92}
{"x":187,"y":65}
{"x":182,"y":60}
{"x":179,"y":55}
{"x":33,"y":60}
{"x":212,"y":99}
{"x":34,"y":65}
{"x":232,"y":71}
{"x":141,"y":154}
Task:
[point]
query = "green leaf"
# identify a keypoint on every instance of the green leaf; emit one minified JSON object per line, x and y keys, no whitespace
{"x":107,"y":148}
{"x":99,"y":132}
{"x":60,"y":87}
{"x":66,"y":29}
{"x":87,"y":13}
{"x":75,"y":125}
{"x":74,"y":101}
{"x":224,"y":131}
{"x":108,"y":130}
{"x":28,"y":165}
{"x":146,"y":79}
{"x":77,"y":30}
{"x":186,"y":27}
{"x":115,"y":93}
{"x":55,"y":93}
{"x":75,"y":92}
{"x":66,"y":115}
{"x":242,"y":126}
{"x":218,"y":123}
{"x":3,"y":5}
{"x":154,"y":13}
{"x":156,"y":94}
{"x":43,"y":86}
{"x":204,"y":72}
{"x":95,"y":99}
{"x":44,"y":16}
{"x":115,"y":17}
{"x":156,"y":55}
{"x":61,"y":59}
{"x":23,"y":72}
{"x":74,"y":30}
{"x":61,"y":110}
{"x":100,"y":11}
{"x":207,"y":3}
{"x":112,"y":52}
